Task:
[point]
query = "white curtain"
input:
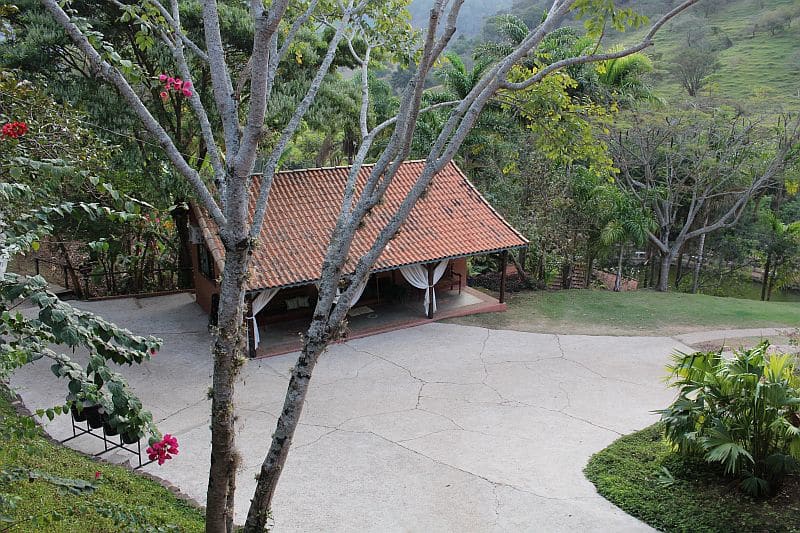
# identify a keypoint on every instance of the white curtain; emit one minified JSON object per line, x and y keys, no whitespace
{"x":260,"y":303}
{"x":417,"y":276}
{"x":356,"y":295}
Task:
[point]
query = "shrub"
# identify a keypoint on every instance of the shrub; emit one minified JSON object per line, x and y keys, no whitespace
{"x":739,"y":412}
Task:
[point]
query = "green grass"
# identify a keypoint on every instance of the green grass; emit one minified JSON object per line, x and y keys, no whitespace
{"x":117,"y":485}
{"x":699,"y":500}
{"x":643,"y":312}
{"x":761,"y":69}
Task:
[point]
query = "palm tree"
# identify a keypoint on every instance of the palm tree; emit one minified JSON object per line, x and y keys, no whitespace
{"x":782,"y":243}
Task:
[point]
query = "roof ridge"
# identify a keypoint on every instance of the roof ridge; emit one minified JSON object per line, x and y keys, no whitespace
{"x":336,"y":167}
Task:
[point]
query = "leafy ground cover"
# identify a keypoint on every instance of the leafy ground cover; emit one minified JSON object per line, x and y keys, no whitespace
{"x":643,"y":312}
{"x":694,"y":496}
{"x":145,"y":505}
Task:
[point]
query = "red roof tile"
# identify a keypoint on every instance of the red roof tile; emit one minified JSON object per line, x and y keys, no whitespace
{"x":451,"y":220}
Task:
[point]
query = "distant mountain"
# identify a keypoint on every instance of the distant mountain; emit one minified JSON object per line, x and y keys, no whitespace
{"x":470,"y":19}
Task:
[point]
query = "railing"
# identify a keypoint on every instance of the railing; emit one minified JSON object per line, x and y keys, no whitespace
{"x":88,"y":282}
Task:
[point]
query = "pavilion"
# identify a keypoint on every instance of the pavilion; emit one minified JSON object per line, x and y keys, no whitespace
{"x":450,"y":223}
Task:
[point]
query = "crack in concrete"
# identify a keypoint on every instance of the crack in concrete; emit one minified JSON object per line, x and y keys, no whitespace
{"x":182,"y":409}
{"x":589,"y":369}
{"x":492,"y":482}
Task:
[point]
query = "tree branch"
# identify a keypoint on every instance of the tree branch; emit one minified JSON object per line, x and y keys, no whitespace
{"x":103,"y":69}
{"x":591,"y":58}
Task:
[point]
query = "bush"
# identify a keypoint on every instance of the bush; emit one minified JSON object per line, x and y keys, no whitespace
{"x":741,"y":413}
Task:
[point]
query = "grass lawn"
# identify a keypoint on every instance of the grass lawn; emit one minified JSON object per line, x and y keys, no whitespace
{"x":643,"y":312}
{"x":700,"y":499}
{"x":117,"y":486}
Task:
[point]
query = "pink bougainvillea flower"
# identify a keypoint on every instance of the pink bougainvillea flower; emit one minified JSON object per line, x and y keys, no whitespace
{"x":187,"y":93}
{"x":14,"y":130}
{"x":162,"y":77}
{"x":164,"y":95}
{"x":187,"y":84}
{"x":163,"y":450}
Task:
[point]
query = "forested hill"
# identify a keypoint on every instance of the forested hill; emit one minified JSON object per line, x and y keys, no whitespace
{"x":754,"y":42}
{"x":471,"y":19}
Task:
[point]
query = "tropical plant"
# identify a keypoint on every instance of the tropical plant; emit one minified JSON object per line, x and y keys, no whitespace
{"x":740,"y":412}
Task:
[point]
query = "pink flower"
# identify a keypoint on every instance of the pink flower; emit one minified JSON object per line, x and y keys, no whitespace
{"x":14,"y":130}
{"x":187,"y":84}
{"x":163,"y":450}
{"x":178,"y":83}
{"x":97,"y":474}
{"x":186,"y":92}
{"x":164,"y":95}
{"x":162,"y":77}
{"x":152,"y":351}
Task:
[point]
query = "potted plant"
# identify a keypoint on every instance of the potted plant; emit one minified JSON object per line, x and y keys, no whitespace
{"x":83,"y":410}
{"x":131,"y":429}
{"x":95,"y":415}
{"x":111,"y":424}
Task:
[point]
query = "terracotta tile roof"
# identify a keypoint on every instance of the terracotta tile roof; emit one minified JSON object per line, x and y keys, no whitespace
{"x":451,"y":220}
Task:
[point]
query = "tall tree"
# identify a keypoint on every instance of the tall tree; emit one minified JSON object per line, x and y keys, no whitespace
{"x":244,"y":134}
{"x":686,"y":165}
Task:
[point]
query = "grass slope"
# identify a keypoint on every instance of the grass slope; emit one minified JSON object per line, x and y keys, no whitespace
{"x":643,"y":312}
{"x":761,"y":68}
{"x":116,"y":485}
{"x":699,"y":500}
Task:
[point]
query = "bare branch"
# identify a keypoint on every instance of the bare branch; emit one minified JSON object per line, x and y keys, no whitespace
{"x":220,"y":77}
{"x":103,"y":69}
{"x":294,"y":123}
{"x":590,"y":58}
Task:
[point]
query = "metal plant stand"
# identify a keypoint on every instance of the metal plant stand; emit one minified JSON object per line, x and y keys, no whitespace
{"x":109,"y":443}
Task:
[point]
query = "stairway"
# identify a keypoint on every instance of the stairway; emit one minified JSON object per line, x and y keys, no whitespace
{"x":578,"y":279}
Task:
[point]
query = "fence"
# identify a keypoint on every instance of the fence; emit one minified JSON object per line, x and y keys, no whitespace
{"x":88,"y":282}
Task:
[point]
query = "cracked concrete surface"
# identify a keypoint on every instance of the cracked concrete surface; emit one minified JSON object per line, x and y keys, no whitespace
{"x":435,"y":428}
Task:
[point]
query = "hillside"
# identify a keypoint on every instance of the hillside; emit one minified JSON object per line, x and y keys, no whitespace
{"x":754,"y":66}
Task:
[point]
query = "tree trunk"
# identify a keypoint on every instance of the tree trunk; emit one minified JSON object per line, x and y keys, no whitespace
{"x":765,"y":278}
{"x":663,"y":278}
{"x":522,"y":258}
{"x":520,"y":270}
{"x":272,"y":467}
{"x":76,"y":283}
{"x":618,"y":280}
{"x":540,"y":270}
{"x":679,"y":271}
{"x":229,"y":354}
{"x":701,"y":247}
{"x":180,"y":215}
{"x":771,"y":283}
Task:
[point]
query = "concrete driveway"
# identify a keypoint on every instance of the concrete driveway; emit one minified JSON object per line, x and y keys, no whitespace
{"x":434,"y":428}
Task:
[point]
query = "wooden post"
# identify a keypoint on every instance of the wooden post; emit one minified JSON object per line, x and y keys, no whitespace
{"x":250,"y":324}
{"x":503,"y":265}
{"x":431,"y":267}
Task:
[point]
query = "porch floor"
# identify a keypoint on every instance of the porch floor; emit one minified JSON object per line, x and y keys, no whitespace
{"x":284,"y":337}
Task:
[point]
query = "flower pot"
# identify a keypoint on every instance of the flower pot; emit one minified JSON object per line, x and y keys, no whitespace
{"x":109,"y":429}
{"x":130,"y":438}
{"x":94,"y":416}
{"x":78,"y":416}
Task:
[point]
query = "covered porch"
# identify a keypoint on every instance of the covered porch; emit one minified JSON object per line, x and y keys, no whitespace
{"x":391,"y":299}
{"x":364,"y":320}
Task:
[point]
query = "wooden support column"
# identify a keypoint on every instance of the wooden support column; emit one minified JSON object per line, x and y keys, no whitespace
{"x":503,"y":268}
{"x":250,"y":324}
{"x":431,"y":268}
